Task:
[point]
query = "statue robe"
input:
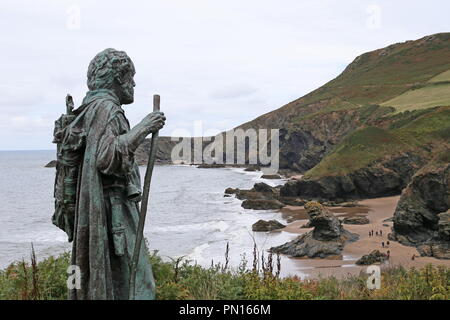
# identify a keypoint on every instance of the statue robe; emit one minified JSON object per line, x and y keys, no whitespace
{"x":106,"y":219}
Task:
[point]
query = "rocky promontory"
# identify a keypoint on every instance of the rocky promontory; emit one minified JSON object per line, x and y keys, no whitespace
{"x":264,"y":226}
{"x":422,"y":217}
{"x":326,"y":239}
{"x":263,"y":197}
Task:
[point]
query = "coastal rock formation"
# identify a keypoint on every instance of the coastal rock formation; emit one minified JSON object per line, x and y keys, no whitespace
{"x":380,"y":179}
{"x":374,"y":257}
{"x":263,"y":226}
{"x":440,"y":250}
{"x":263,"y":197}
{"x":422,"y":216}
{"x":262,"y":204}
{"x":270,"y":176}
{"x":355,"y":220}
{"x":326,"y":239}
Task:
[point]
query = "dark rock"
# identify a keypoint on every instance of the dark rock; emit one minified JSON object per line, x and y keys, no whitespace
{"x":421,"y":215}
{"x":231,"y":191}
{"x":252,"y":168}
{"x":51,"y":164}
{"x":386,"y":177}
{"x":374,"y":257}
{"x":326,"y":239}
{"x":262,"y":204}
{"x":356,"y":220}
{"x":438,"y":250}
{"x":260,"y":191}
{"x":444,"y":225}
{"x":270,"y":225}
{"x":210,"y":166}
{"x":292,"y":201}
{"x":389,"y":219}
{"x":270,"y":176}
{"x":264,"y":187}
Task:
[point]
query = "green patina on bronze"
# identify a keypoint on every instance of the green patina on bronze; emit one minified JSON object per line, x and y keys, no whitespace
{"x":97,"y":186}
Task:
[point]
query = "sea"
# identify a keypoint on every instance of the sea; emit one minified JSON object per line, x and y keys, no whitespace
{"x":188,"y":215}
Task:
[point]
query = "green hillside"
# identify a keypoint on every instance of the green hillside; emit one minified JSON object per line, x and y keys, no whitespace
{"x":386,"y":102}
{"x":372,"y":78}
{"x":412,"y":132}
{"x":431,"y":95}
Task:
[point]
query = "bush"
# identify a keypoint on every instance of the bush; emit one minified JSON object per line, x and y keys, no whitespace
{"x":181,"y":280}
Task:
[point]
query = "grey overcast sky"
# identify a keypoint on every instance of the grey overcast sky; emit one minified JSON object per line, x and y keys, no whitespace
{"x":219,"y":62}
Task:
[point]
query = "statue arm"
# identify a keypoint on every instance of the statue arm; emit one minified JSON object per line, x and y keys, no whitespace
{"x":117,"y":146}
{"x":114,"y":155}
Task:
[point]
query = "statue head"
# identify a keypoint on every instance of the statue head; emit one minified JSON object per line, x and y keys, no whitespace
{"x":113,"y":70}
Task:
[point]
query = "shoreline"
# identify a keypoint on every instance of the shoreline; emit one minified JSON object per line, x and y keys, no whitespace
{"x":376,"y":210}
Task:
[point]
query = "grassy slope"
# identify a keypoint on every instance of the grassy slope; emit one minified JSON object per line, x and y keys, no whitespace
{"x":431,"y":95}
{"x":408,"y":132}
{"x":444,"y":76}
{"x":372,"y":78}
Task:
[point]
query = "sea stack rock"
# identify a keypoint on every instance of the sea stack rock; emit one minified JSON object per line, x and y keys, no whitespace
{"x":326,"y":239}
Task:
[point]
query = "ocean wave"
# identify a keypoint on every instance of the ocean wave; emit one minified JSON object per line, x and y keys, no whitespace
{"x":218,"y":225}
{"x":196,"y":254}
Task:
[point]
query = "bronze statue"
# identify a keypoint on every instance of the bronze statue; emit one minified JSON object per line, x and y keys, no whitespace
{"x":97,"y":186}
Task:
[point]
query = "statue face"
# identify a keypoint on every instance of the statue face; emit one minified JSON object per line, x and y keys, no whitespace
{"x":127,"y":88}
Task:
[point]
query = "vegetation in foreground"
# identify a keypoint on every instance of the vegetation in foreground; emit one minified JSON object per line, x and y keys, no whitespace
{"x":183,"y":280}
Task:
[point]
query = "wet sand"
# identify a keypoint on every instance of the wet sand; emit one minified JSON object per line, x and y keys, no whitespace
{"x":376,"y":210}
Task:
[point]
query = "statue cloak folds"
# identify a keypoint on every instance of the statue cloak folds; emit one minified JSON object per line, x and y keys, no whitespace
{"x":106,"y":219}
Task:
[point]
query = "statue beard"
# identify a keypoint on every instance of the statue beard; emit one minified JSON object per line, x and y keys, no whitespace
{"x":127,"y":93}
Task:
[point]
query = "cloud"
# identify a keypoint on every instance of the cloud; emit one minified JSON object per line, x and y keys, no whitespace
{"x":14,"y":96}
{"x":233,"y":92}
{"x":222,"y":62}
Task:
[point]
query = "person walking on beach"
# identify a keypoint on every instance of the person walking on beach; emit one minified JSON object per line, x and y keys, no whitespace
{"x":381,"y":232}
{"x":376,"y":233}
{"x":387,"y":243}
{"x":382,"y":244}
{"x":388,"y":254}
{"x":413,"y":257}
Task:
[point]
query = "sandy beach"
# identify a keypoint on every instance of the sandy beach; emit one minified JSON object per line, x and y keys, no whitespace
{"x":376,"y":210}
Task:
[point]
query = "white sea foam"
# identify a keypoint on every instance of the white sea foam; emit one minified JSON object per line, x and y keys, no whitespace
{"x":218,"y":225}
{"x":196,"y":254}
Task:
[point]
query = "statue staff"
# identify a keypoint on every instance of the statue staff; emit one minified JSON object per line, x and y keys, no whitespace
{"x":144,"y":203}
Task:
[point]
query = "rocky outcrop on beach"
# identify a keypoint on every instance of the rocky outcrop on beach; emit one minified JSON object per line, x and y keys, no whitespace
{"x":374,"y":257}
{"x":264,"y":226}
{"x":326,"y":239}
{"x":380,"y":179}
{"x":422,"y":217}
{"x":356,"y":220}
{"x":270,"y":176}
{"x":262,"y":204}
{"x":263,"y":197}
